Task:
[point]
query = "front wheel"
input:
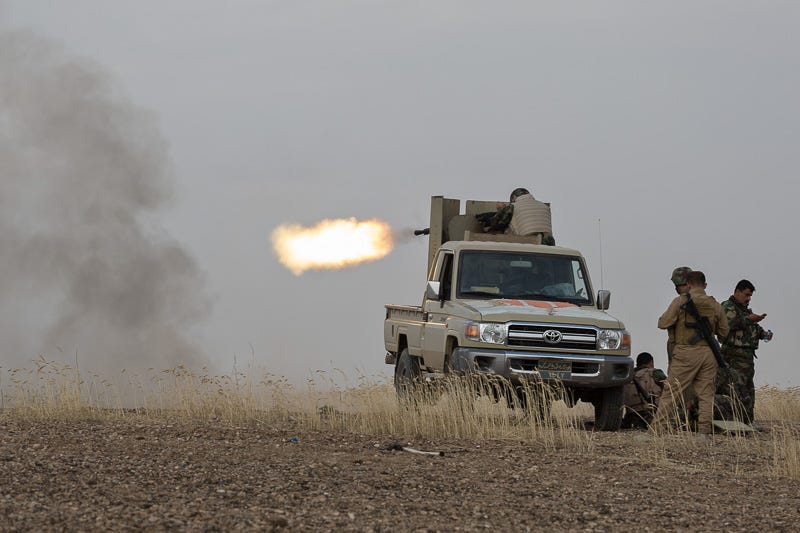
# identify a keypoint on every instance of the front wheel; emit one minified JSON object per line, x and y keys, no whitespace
{"x":608,"y":409}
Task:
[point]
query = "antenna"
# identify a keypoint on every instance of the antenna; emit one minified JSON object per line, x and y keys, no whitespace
{"x":600,"y":240}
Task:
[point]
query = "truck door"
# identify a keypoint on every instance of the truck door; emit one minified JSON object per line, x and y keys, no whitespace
{"x":437,"y":311}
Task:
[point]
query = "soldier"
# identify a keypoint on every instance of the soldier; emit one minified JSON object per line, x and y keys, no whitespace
{"x":523,"y":215}
{"x":679,"y":280}
{"x":740,"y":344}
{"x":688,"y":407}
{"x":642,"y":394}
{"x":498,"y":221}
{"x":693,"y":361}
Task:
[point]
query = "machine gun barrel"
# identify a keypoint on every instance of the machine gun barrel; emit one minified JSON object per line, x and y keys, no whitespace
{"x":425,"y":231}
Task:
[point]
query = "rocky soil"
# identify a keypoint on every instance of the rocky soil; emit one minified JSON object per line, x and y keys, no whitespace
{"x":137,"y":475}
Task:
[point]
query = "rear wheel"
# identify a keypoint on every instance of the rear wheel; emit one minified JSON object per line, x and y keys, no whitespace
{"x":406,"y":373}
{"x":608,"y":409}
{"x":408,"y":377}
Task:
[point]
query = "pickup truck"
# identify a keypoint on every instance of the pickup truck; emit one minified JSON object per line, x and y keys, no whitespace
{"x":504,"y":306}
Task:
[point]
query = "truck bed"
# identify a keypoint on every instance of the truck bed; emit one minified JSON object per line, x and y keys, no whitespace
{"x":406,"y":321}
{"x":404,"y":312}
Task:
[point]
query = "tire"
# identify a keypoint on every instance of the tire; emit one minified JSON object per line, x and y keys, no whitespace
{"x":407,"y":375}
{"x":608,"y":409}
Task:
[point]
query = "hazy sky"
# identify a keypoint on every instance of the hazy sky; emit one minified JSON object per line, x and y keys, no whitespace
{"x":677,"y":125}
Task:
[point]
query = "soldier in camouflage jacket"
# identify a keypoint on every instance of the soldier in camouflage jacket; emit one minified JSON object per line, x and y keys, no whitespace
{"x":740,"y":345}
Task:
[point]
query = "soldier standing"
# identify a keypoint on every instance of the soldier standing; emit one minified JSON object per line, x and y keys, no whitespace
{"x":688,"y":407}
{"x":693,"y":361}
{"x":679,"y":280}
{"x":740,"y":344}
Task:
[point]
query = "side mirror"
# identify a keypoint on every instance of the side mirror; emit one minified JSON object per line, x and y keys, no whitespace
{"x":432,"y":290}
{"x":603,"y":299}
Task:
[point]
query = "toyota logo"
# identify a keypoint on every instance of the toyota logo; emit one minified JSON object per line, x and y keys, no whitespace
{"x":552,"y":336}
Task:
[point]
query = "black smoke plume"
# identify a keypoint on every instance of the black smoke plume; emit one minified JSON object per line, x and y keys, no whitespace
{"x":84,"y":266}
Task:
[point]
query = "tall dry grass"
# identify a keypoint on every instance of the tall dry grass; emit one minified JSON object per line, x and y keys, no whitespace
{"x":782,"y":408}
{"x":777,"y":404}
{"x":460,"y":408}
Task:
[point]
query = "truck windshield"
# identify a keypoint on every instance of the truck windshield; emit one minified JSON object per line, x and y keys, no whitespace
{"x":522,"y":276}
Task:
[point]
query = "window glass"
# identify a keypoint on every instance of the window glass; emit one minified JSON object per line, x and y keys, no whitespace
{"x":446,"y":276}
{"x":522,"y":276}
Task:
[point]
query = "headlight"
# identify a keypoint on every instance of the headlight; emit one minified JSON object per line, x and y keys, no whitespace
{"x":494,"y":333}
{"x":609,"y":339}
{"x":487,"y":332}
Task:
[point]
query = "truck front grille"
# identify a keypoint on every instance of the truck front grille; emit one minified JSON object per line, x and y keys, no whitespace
{"x":552,"y":336}
{"x":585,"y":368}
{"x":576,"y":367}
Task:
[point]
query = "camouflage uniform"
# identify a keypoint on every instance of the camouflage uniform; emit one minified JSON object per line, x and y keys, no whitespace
{"x":640,"y":406}
{"x":498,"y":221}
{"x":503,"y":217}
{"x":678,"y":278}
{"x":739,"y":348}
{"x":731,"y":396}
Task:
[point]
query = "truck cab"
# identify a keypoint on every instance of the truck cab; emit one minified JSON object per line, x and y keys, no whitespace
{"x":509,"y":307}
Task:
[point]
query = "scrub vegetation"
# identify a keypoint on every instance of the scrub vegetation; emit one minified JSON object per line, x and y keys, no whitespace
{"x":465,"y":407}
{"x":174,"y":439}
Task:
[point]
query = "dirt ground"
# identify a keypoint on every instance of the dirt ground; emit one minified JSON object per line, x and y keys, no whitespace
{"x":123,"y":476}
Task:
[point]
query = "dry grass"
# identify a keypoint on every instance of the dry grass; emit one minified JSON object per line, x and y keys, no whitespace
{"x":452,"y":409}
{"x":446,"y":409}
{"x":778,"y":404}
{"x":782,"y":408}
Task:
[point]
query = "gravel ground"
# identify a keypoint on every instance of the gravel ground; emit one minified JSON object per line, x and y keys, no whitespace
{"x":123,"y":476}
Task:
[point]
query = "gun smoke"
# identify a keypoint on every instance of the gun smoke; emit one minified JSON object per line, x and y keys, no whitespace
{"x":84,"y":267}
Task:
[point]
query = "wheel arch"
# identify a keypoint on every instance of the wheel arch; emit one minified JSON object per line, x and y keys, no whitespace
{"x":402,"y":343}
{"x":450,"y":345}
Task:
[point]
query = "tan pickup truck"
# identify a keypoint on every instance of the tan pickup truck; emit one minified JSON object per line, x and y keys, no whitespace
{"x":505,"y":306}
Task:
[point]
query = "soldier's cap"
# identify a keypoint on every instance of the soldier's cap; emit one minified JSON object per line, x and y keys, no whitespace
{"x":519,"y":191}
{"x":679,"y":275}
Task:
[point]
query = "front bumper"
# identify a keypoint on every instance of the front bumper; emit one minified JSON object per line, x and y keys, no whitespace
{"x":572,"y":370}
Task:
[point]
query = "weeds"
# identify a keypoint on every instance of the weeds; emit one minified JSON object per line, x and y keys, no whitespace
{"x":455,"y":408}
{"x":786,"y":453}
{"x":467,"y":408}
{"x":778,"y":404}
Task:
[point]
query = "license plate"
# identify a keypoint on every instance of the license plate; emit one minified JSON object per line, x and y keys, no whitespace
{"x":555,"y":369}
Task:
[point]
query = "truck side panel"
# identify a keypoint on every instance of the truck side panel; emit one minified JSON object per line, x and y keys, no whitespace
{"x":403,"y":321}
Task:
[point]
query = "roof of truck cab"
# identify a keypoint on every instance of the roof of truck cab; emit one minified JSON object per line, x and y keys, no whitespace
{"x":509,"y":247}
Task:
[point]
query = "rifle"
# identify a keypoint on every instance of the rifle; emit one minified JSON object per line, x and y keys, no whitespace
{"x":704,"y":332}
